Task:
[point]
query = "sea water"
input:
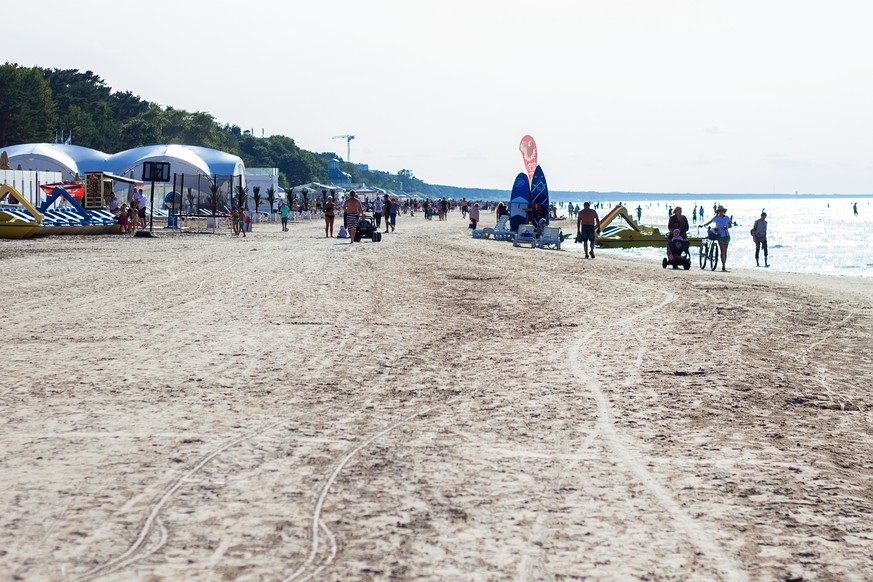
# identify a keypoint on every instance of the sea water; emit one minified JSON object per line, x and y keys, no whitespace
{"x":804,"y":234}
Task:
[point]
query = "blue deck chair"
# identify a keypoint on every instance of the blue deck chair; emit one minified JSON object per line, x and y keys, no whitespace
{"x":525,"y":236}
{"x":551,"y":238}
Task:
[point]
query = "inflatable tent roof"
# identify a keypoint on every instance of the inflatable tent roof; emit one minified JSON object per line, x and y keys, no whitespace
{"x":55,"y":157}
{"x":183,"y":159}
{"x":72,"y":159}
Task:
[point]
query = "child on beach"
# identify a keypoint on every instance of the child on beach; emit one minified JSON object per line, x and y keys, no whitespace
{"x":123,"y":220}
{"x":131,"y":219}
{"x":238,"y":222}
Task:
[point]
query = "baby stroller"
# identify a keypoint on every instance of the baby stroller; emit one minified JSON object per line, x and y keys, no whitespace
{"x":367,"y":229}
{"x":677,"y":253}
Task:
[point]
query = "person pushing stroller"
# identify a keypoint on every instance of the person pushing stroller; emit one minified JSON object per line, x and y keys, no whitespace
{"x":678,"y":251}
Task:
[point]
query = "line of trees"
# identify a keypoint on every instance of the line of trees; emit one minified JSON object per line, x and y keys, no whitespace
{"x":35,"y":103}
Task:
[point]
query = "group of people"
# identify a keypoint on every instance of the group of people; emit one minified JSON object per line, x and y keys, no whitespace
{"x":241,"y":221}
{"x":722,"y":223}
{"x":588,"y":227}
{"x":386,"y":208}
{"x":130,"y":216}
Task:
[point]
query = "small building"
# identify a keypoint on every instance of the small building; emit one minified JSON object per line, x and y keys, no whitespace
{"x":263,"y":178}
{"x":335,"y":175}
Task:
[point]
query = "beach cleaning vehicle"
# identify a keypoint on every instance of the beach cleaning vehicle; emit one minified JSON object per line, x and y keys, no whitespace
{"x":367,"y":229}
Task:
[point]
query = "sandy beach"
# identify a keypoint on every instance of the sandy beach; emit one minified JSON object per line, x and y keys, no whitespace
{"x":430,"y":407}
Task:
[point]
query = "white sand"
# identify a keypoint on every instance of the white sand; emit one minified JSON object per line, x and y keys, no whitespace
{"x":431,"y":407}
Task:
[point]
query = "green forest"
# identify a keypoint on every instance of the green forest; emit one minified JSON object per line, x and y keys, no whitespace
{"x":36,"y":102}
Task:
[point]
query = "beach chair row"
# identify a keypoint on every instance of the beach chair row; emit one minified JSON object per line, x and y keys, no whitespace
{"x":65,"y":217}
{"x":525,"y":235}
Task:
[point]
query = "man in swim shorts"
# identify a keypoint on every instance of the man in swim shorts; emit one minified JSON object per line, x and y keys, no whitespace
{"x":587,"y":227}
{"x":353,"y":211}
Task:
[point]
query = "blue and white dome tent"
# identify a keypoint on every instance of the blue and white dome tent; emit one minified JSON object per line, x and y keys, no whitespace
{"x":193,"y":168}
{"x":67,"y":159}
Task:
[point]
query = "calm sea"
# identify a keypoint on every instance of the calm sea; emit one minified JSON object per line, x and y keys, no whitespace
{"x":811,"y":235}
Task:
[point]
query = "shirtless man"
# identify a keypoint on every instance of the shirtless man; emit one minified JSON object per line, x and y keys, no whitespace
{"x":353,"y":211}
{"x":587,"y":226}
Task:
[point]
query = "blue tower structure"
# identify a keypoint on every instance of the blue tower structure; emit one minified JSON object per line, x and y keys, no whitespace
{"x":335,"y":175}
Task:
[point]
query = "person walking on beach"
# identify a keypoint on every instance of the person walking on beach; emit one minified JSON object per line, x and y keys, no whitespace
{"x":283,"y":211}
{"x":639,"y":213}
{"x":393,"y":210}
{"x":386,"y":211}
{"x":587,"y":227}
{"x":238,"y":221}
{"x":722,"y":229}
{"x":329,"y":211}
{"x":353,"y":211}
{"x":474,"y":215}
{"x":678,"y":221}
{"x":759,"y":235}
{"x":378,"y":209}
{"x":701,"y":213}
{"x":234,"y":221}
{"x":855,"y":208}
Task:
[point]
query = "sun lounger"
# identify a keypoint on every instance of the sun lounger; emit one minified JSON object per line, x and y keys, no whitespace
{"x":502,"y":230}
{"x":551,"y":238}
{"x":525,"y":236}
{"x":488,"y":231}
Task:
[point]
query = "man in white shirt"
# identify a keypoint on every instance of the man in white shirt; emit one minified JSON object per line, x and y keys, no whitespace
{"x":140,"y":202}
{"x":378,"y":208}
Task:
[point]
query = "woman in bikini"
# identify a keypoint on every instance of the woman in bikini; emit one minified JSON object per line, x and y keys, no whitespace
{"x":329,"y":210}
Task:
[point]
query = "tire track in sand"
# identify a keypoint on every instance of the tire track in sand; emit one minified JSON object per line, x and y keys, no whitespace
{"x":316,"y":523}
{"x":822,"y":373}
{"x":134,"y":553}
{"x":695,"y":532}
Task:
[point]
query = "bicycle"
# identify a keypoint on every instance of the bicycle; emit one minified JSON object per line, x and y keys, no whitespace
{"x":709,"y":251}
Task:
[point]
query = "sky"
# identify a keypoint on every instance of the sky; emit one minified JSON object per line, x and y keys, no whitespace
{"x":698,"y":96}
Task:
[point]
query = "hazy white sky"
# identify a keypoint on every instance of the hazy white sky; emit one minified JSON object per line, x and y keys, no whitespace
{"x":621,"y":95}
